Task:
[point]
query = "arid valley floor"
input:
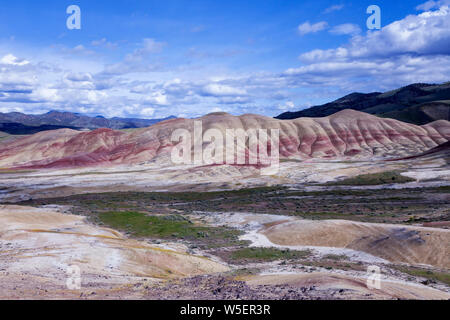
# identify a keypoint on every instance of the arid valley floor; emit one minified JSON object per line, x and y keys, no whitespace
{"x":310,"y":240}
{"x":157,"y":231}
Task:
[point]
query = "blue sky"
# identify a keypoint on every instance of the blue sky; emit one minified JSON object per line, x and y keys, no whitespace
{"x":152,"y":59}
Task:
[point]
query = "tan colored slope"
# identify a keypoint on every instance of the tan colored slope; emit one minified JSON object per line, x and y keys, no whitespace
{"x":346,"y":134}
{"x":39,"y":245}
{"x":349,"y":287}
{"x":42,"y":145}
{"x":395,"y":243}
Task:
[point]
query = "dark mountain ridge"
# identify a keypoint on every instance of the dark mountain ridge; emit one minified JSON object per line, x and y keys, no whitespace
{"x":418,"y":103}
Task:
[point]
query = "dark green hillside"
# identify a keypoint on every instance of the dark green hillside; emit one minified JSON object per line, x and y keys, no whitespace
{"x":417,"y":103}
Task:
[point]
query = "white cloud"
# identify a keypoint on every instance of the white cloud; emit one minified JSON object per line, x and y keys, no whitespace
{"x":147,"y":47}
{"x":77,"y":50}
{"x":374,"y":74}
{"x":104,"y":43}
{"x":431,"y":4}
{"x":306,"y":27}
{"x":234,"y":100}
{"x":92,"y":97}
{"x":413,"y":49}
{"x":333,"y":8}
{"x":45,"y":95}
{"x":157,"y":98}
{"x":147,"y":112}
{"x":219,"y":90}
{"x":10,"y":59}
{"x":346,"y":29}
{"x":426,"y":33}
{"x":288,"y":105}
{"x":78,"y":77}
{"x":138,"y":60}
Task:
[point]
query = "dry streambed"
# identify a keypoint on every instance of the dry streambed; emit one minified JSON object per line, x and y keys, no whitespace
{"x":371,"y":244}
{"x":367,"y":242}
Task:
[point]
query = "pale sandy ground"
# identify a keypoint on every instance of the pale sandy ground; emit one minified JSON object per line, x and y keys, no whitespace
{"x":16,"y":186}
{"x":349,"y":286}
{"x":38,"y":245}
{"x":395,"y":243}
{"x":359,"y":241}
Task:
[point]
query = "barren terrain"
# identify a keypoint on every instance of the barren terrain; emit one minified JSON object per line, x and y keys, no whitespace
{"x":153,"y":230}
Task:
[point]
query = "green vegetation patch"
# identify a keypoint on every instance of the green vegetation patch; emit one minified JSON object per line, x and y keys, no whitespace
{"x":11,"y":171}
{"x":367,"y":205}
{"x":335,"y":257}
{"x":163,"y":227}
{"x":387,"y":177}
{"x":268,"y":254}
{"x":424,"y":273}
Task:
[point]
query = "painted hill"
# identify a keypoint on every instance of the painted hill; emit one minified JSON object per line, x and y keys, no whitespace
{"x":417,"y":103}
{"x":20,"y":123}
{"x":347,"y":134}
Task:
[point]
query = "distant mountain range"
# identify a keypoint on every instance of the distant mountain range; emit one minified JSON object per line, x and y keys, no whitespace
{"x":417,"y":103}
{"x":20,"y":123}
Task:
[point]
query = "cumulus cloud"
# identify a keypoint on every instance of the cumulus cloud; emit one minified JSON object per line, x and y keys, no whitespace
{"x":10,"y":59}
{"x":413,"y":49}
{"x":346,"y":29}
{"x":220,"y":90}
{"x":288,"y":105}
{"x":234,"y":100}
{"x":157,"y":98}
{"x":78,"y":77}
{"x":431,"y":4}
{"x":307,"y":27}
{"x":423,"y":34}
{"x":147,"y":47}
{"x":103,"y":42}
{"x":147,"y":112}
{"x":336,"y":7}
{"x":137,"y":61}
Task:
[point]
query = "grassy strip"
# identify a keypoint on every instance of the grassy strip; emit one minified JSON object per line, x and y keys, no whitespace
{"x":335,"y":257}
{"x":10,"y":171}
{"x":370,"y":179}
{"x":424,"y":273}
{"x":267,"y":254}
{"x":180,"y":196}
{"x":362,"y":205}
{"x":162,"y":227}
